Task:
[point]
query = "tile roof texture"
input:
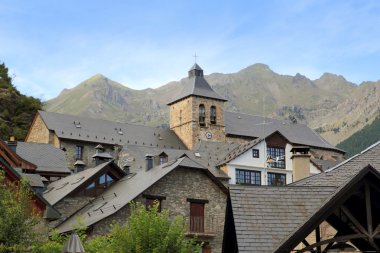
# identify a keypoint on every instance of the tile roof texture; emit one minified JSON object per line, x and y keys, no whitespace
{"x":242,"y":124}
{"x":47,"y":157}
{"x":109,"y":132}
{"x":264,"y":216}
{"x":34,"y":180}
{"x":208,"y":154}
{"x":59,"y":189}
{"x":196,"y":85}
{"x":344,"y":171}
{"x":124,"y":191}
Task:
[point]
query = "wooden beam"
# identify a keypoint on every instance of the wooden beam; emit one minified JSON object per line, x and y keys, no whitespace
{"x":318,"y":238}
{"x":306,"y":243}
{"x":377,"y":231}
{"x":354,"y":221}
{"x":368,"y":208}
{"x":343,"y":238}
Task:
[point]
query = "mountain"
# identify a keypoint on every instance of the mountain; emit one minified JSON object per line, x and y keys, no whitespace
{"x":16,"y":110}
{"x":362,"y":139}
{"x":331,"y":105}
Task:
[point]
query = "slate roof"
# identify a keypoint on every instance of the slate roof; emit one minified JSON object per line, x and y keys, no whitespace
{"x":59,"y":189}
{"x":196,"y":85}
{"x":344,"y":171}
{"x":239,"y":150}
{"x":109,"y":132}
{"x":208,"y":154}
{"x":324,"y":165}
{"x":122,"y":192}
{"x":47,"y":157}
{"x":34,"y":180}
{"x":264,"y":215}
{"x":242,"y":124}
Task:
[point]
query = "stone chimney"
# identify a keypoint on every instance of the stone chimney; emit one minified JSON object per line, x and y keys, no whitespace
{"x":12,"y":143}
{"x":301,"y":162}
{"x":148,"y":161}
{"x":127,"y":168}
{"x":79,"y":166}
{"x":101,"y":156}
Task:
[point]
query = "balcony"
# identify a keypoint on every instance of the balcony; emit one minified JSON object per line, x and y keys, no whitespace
{"x":201,"y":226}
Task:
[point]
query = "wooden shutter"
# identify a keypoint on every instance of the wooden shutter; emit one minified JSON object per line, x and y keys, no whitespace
{"x":197,"y":217}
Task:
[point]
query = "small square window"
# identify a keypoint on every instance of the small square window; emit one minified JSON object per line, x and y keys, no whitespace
{"x":255,"y":153}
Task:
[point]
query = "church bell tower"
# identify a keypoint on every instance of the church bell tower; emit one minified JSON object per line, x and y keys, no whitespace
{"x":197,"y":113}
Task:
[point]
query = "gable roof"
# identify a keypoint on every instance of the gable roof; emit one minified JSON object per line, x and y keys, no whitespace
{"x":344,"y":171}
{"x":125,"y":190}
{"x":47,"y":157}
{"x":242,"y":124}
{"x":59,"y":189}
{"x":108,"y":132}
{"x":265,"y":215}
{"x":196,"y":85}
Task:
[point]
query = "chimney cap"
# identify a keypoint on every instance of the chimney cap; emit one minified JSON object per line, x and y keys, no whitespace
{"x":149,"y":156}
{"x":300,"y":148}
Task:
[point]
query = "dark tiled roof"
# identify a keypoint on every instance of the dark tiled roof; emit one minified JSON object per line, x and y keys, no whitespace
{"x":47,"y":157}
{"x":109,"y":132}
{"x":123,"y":192}
{"x":344,"y":171}
{"x":196,"y":85}
{"x":239,"y":150}
{"x":241,"y":124}
{"x":264,"y":216}
{"x":207,"y":154}
{"x":59,"y":189}
{"x":325,"y":164}
{"x":34,"y":180}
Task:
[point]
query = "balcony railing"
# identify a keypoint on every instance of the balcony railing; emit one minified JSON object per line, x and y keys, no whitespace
{"x":201,"y":225}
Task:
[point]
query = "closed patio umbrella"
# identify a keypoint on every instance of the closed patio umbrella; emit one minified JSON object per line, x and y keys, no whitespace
{"x":73,"y":245}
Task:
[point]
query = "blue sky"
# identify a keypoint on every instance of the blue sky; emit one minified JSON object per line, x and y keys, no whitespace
{"x":52,"y":45}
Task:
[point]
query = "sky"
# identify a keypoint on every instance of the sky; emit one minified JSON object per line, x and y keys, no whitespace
{"x":52,"y":45}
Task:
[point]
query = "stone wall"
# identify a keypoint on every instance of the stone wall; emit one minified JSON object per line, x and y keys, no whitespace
{"x":87,"y":152}
{"x":326,"y":154}
{"x":70,"y":205}
{"x":184,"y":121}
{"x":38,"y":131}
{"x":177,"y":187}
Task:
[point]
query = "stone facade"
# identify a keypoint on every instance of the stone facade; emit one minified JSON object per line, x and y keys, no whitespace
{"x":38,"y":131}
{"x":184,"y":120}
{"x":177,"y":187}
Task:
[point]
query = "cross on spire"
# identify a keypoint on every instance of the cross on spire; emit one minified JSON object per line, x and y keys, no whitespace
{"x":195,"y":57}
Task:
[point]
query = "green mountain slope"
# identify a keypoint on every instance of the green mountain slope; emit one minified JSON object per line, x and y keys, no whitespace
{"x":362,"y":139}
{"x":333,"y":106}
{"x":16,"y":110}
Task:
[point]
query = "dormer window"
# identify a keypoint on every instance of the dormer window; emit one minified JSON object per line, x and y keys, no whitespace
{"x":213,"y":115}
{"x":163,"y":158}
{"x":202,"y":115}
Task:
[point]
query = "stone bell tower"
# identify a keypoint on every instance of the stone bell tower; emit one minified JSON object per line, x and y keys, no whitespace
{"x":197,"y":113}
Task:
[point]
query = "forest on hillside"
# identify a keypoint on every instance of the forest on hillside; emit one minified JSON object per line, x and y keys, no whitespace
{"x":362,"y":139}
{"x":16,"y":110}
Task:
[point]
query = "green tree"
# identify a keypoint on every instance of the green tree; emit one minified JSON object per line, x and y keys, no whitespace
{"x":18,"y":220}
{"x":147,"y":231}
{"x":16,"y":110}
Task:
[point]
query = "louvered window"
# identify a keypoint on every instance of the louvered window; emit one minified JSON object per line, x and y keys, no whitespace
{"x":202,"y":115}
{"x":213,"y":115}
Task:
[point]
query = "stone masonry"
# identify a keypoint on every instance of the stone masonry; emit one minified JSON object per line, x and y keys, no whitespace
{"x":177,"y":187}
{"x":184,"y":120}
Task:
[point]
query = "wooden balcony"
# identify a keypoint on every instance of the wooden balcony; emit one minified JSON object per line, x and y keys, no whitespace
{"x":201,"y":226}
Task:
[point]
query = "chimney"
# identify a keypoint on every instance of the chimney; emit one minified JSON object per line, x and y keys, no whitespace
{"x":79,"y":166}
{"x":127,"y":168}
{"x":12,"y":143}
{"x":148,"y":161}
{"x":301,"y":162}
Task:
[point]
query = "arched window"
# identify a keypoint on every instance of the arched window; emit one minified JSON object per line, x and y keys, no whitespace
{"x":202,"y":115}
{"x":213,"y":115}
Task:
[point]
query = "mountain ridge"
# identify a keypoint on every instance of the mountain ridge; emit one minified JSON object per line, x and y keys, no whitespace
{"x":333,"y":106}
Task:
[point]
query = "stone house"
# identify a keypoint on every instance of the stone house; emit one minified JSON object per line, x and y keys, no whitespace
{"x":182,"y":186}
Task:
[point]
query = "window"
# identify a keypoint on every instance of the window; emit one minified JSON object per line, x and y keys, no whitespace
{"x":197,"y":214}
{"x":278,"y":157}
{"x":78,"y":152}
{"x":276,"y":179}
{"x":202,"y":115}
{"x":255,"y":153}
{"x":213,"y":115}
{"x":163,"y":159}
{"x":150,"y":200}
{"x":248,"y":177}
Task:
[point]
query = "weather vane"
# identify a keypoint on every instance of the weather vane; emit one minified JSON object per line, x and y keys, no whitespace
{"x":195,"y":57}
